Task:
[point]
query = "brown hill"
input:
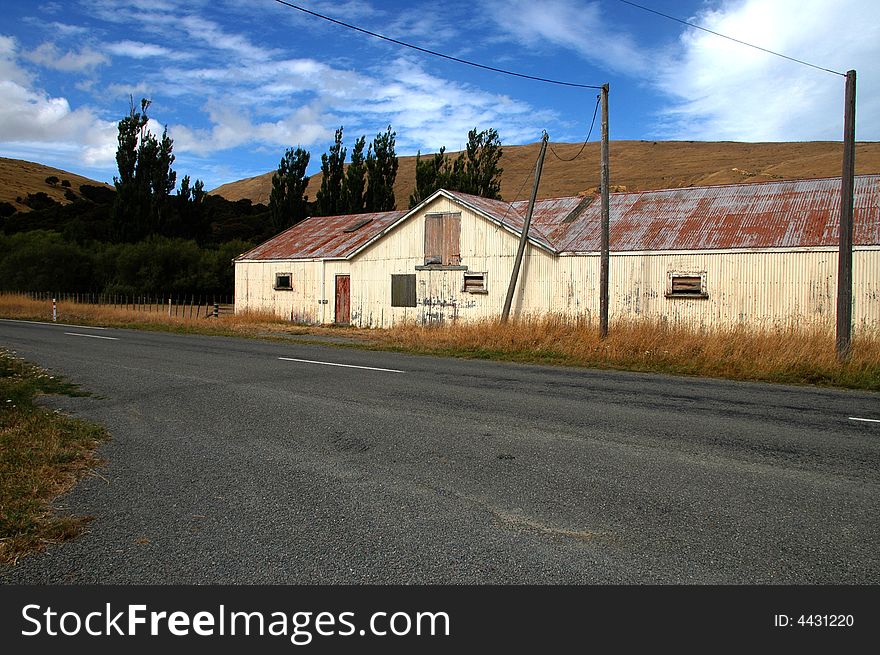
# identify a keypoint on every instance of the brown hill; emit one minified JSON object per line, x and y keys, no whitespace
{"x":18,"y":178}
{"x":635,"y":165}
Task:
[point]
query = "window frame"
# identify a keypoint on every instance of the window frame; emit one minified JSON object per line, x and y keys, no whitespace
{"x":289,"y":276}
{"x":475,"y":274}
{"x":670,"y":284}
{"x":449,"y":231}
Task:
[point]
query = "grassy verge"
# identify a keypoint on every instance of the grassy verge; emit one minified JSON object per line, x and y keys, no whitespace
{"x":42,"y":454}
{"x":794,"y":356}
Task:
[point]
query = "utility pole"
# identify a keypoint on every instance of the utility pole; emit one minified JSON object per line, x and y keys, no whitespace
{"x":524,"y":237}
{"x":604,"y":255}
{"x":844,"y":257}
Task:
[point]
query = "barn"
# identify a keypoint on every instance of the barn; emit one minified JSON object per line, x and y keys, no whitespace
{"x":762,"y":254}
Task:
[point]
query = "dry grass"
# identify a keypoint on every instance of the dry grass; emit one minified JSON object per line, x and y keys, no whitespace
{"x":18,"y":178}
{"x":791,"y":356}
{"x":42,"y":454}
{"x":155,"y":317}
{"x":799,"y":356}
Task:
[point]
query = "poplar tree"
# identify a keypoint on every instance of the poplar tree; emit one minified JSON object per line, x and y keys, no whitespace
{"x":145,"y":175}
{"x":287,"y":200}
{"x":330,"y":200}
{"x":355,"y":179}
{"x":381,"y":172}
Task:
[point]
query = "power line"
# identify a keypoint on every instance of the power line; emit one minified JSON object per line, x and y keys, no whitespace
{"x":592,"y":123}
{"x":435,"y":53}
{"x":730,"y":38}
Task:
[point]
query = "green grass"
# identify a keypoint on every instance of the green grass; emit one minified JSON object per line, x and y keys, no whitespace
{"x":42,"y":454}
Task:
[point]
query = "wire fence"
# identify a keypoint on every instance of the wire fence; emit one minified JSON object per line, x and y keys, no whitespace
{"x":181,"y":305}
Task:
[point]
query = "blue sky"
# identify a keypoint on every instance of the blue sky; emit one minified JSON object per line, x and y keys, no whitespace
{"x":238,"y":82}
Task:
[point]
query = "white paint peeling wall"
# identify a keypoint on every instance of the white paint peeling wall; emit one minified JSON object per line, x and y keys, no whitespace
{"x":761,"y":288}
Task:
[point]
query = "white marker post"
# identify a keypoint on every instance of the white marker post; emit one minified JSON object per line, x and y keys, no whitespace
{"x":54,"y":310}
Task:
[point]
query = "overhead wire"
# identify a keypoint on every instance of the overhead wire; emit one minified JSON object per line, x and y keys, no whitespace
{"x":434,"y":52}
{"x":729,"y":38}
{"x":584,"y":145}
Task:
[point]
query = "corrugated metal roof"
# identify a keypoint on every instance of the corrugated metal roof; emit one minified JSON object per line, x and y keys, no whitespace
{"x":784,"y":214}
{"x":324,"y":237}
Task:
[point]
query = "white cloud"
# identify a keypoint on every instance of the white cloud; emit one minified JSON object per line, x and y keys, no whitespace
{"x":576,"y":26}
{"x":231,"y":129}
{"x":48,"y":55}
{"x":726,"y":91}
{"x":30,"y":116}
{"x":137,"y":49}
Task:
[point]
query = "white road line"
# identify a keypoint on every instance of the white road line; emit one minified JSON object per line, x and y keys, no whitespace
{"x":866,"y":420}
{"x":91,"y":336}
{"x":21,"y":320}
{"x":369,"y":368}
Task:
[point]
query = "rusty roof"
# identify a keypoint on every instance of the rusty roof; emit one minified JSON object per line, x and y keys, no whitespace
{"x":784,"y":214}
{"x":325,"y":237}
{"x":780,"y":214}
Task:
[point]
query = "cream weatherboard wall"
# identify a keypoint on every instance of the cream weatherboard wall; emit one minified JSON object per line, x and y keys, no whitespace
{"x":761,"y":288}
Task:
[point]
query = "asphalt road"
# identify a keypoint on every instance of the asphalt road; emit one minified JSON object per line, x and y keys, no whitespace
{"x":229,"y":464}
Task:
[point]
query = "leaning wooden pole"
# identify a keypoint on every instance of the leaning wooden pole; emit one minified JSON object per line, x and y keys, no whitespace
{"x":847,"y":188}
{"x":524,"y":237}
{"x":604,"y":259}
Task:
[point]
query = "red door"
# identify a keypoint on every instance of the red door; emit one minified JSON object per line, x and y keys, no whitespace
{"x":343,"y":300}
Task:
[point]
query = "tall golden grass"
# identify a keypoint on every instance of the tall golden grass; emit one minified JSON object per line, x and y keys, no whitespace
{"x":793,"y":355}
{"x":740,"y":353}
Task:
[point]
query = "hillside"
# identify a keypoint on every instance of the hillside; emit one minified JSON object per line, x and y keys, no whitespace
{"x":18,"y":178}
{"x":636,"y":165}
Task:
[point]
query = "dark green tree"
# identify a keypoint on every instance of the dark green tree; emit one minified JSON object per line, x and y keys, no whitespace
{"x":431,"y":174}
{"x":381,"y":172}
{"x":474,"y":171}
{"x":481,"y":175}
{"x":330,"y":200}
{"x":287,"y":200}
{"x":145,"y":176}
{"x":355,"y":179}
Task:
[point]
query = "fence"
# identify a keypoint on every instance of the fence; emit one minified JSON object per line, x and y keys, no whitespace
{"x":183,"y":305}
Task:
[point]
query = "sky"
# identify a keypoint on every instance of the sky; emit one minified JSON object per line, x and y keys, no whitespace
{"x":237,"y":83}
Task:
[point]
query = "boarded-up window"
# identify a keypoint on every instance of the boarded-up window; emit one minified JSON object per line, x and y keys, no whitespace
{"x":475,"y":283}
{"x":442,"y":239}
{"x":403,"y":290}
{"x":686,"y":284}
{"x":283,"y":281}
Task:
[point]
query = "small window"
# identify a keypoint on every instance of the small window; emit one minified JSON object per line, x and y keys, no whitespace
{"x":283,"y":281}
{"x":680,"y":284}
{"x":403,"y":290}
{"x":475,"y":283}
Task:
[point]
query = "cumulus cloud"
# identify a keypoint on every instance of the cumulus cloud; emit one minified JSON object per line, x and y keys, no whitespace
{"x":30,"y":116}
{"x":723,"y":90}
{"x":231,"y":129}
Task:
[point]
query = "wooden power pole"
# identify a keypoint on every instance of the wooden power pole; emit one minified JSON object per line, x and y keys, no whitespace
{"x":604,"y":256}
{"x":847,"y":188}
{"x":524,"y":237}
